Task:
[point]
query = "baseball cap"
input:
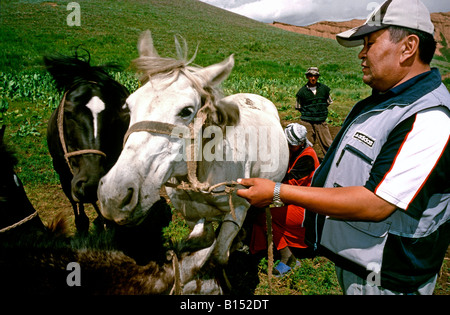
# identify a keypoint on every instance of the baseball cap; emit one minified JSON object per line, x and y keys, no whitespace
{"x":404,"y":13}
{"x":312,"y":71}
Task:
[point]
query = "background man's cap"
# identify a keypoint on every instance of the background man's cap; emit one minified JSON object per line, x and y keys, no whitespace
{"x":295,"y":134}
{"x":404,"y":13}
{"x":312,"y":71}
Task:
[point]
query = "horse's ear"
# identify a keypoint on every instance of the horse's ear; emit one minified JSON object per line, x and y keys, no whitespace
{"x":217,"y":73}
{"x":145,"y":45}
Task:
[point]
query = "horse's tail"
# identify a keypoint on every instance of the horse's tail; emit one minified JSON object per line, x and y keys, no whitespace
{"x":70,"y":70}
{"x":58,"y":227}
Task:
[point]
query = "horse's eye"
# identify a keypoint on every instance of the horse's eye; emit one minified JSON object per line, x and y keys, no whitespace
{"x":186,"y":112}
{"x":16,"y":180}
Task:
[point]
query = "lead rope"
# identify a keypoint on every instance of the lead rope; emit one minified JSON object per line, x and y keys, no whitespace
{"x":269,"y":248}
{"x":25,"y":220}
{"x":176,"y":289}
{"x":191,"y":161}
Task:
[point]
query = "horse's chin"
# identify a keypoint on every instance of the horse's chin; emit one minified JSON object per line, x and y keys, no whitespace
{"x":137,"y":215}
{"x":83,"y":199}
{"x":130,"y":222}
{"x":75,"y":198}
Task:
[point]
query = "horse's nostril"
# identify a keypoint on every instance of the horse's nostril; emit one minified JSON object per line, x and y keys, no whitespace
{"x":79,"y":187}
{"x":127,"y":200}
{"x":80,"y":184}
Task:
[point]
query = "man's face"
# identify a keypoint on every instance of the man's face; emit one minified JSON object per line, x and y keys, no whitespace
{"x":295,"y":148}
{"x":380,"y":61}
{"x":312,"y":79}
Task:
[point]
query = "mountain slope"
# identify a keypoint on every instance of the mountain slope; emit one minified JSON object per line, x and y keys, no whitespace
{"x":328,"y":29}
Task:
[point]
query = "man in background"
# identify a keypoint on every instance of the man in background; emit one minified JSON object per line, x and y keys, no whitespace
{"x":313,"y":100}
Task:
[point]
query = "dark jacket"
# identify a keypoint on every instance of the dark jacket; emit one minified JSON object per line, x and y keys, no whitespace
{"x":314,"y":108}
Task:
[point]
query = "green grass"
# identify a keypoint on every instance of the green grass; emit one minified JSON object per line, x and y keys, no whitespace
{"x":269,"y":61}
{"x":314,"y":277}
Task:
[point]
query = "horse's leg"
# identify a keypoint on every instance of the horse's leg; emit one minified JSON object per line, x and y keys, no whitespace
{"x":228,"y":232}
{"x":81,"y":219}
{"x":99,"y":220}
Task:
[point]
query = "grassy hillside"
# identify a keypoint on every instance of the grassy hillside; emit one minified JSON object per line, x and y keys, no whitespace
{"x":109,"y":30}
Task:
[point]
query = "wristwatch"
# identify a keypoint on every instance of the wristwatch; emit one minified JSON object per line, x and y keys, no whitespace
{"x":276,"y":196}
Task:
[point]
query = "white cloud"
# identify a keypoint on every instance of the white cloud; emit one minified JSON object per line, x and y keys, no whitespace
{"x":304,"y":12}
{"x":269,"y":10}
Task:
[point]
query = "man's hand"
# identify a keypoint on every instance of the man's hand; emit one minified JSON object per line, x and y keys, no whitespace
{"x":347,"y":203}
{"x":259,"y":192}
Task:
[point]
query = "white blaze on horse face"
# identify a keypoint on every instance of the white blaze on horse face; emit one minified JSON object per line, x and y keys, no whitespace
{"x":96,"y":106}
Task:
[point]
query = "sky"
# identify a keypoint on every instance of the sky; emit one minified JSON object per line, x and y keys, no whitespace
{"x":306,"y":12}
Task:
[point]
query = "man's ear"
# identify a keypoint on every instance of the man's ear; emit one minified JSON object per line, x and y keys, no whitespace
{"x":410,"y":49}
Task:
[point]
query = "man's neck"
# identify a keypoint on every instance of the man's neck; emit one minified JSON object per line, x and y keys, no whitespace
{"x":415,"y":70}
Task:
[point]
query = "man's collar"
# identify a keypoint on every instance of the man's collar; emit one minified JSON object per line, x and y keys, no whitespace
{"x":310,"y":87}
{"x":433,"y":73}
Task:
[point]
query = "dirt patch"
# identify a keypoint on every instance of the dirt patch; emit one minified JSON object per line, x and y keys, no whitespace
{"x":50,"y":200}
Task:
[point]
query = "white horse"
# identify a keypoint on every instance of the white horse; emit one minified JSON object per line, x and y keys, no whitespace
{"x":173,"y":118}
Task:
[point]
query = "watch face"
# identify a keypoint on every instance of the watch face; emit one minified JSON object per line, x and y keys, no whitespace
{"x":278,"y":204}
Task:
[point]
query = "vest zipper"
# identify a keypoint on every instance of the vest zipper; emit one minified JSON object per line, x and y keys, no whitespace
{"x":356,"y":152}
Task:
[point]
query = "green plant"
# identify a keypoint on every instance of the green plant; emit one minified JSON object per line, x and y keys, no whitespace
{"x":177,"y":229}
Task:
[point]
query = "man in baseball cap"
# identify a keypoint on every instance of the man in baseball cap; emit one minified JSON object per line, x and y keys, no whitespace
{"x":403,"y":13}
{"x":379,"y":205}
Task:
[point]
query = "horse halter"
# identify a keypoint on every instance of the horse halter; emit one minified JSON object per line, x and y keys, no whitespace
{"x":60,"y":123}
{"x":162,"y":128}
{"x":193,"y":183}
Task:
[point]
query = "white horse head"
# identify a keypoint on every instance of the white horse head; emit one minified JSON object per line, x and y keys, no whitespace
{"x":172,"y":93}
{"x":249,"y":142}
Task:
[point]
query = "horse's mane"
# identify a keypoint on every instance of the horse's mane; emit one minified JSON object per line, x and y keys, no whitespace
{"x":150,"y":64}
{"x":70,"y":70}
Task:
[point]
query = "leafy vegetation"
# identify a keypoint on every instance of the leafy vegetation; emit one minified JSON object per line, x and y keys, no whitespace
{"x":269,"y":61}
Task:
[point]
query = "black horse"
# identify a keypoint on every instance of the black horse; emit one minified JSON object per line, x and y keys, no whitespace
{"x":85,"y":132}
{"x":17,"y":214}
